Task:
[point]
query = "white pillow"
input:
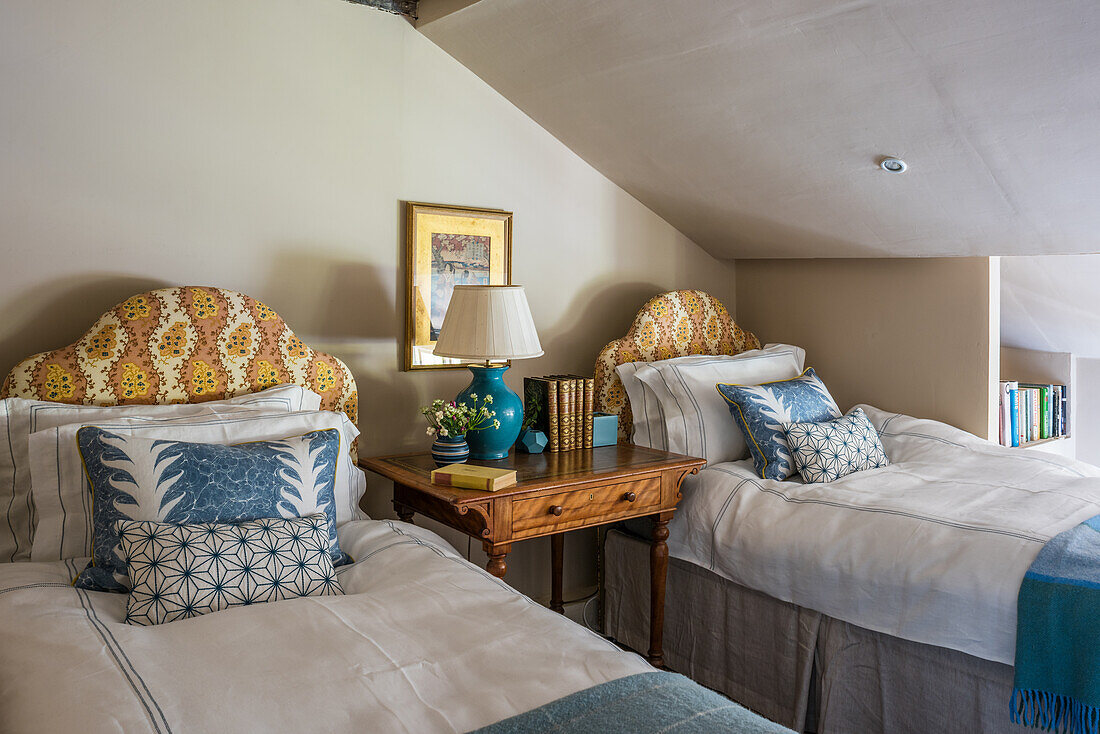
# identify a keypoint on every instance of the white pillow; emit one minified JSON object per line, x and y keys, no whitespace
{"x":64,"y":497}
{"x":19,"y":418}
{"x":649,"y":421}
{"x":694,"y":416}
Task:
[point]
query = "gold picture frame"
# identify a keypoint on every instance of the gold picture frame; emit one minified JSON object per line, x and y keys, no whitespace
{"x":445,"y":246}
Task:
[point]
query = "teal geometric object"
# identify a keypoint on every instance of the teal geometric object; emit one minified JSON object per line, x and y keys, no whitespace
{"x":532,"y":441}
{"x":493,"y":443}
{"x":605,"y":429}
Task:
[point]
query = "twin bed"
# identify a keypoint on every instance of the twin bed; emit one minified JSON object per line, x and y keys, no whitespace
{"x":419,"y":641}
{"x":884,"y":601}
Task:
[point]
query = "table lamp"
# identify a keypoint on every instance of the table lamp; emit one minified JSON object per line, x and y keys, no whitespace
{"x":490,"y":323}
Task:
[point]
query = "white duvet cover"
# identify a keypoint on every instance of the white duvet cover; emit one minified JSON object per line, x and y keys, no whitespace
{"x":930,"y":549}
{"x":422,"y":642}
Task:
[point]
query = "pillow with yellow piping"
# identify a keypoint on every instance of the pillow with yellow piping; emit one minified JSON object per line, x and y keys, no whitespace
{"x":761,"y":410}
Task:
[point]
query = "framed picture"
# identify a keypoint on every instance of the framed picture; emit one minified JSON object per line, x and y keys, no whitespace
{"x":448,"y":246}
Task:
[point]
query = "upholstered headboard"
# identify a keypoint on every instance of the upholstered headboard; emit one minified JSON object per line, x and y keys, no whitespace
{"x":182,"y":345}
{"x":673,"y":324}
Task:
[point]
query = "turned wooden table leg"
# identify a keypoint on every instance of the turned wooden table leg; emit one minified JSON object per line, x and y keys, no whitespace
{"x":496,"y":564}
{"x":658,"y":569}
{"x":404,"y":514}
{"x":557,"y":547}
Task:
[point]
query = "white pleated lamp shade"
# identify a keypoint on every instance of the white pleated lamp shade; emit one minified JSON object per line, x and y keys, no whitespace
{"x":491,"y":322}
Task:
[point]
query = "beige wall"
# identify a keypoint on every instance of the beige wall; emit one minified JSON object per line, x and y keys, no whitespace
{"x":1086,"y":413}
{"x":916,"y":336}
{"x":266,"y":146}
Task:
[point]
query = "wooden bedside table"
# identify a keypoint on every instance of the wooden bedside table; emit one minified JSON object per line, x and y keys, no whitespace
{"x":556,"y":492}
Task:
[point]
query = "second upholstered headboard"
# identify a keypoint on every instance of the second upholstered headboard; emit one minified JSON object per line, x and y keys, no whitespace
{"x":673,"y":324}
{"x":182,"y":345}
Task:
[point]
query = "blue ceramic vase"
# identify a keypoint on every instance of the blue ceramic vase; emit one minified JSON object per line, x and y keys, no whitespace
{"x":493,"y":443}
{"x":450,"y":450}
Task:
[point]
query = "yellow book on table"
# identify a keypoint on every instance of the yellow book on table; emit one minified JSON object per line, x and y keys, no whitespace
{"x":471,"y":476}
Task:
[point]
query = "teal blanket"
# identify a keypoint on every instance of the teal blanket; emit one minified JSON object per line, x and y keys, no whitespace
{"x":1057,"y":686}
{"x":645,"y":703}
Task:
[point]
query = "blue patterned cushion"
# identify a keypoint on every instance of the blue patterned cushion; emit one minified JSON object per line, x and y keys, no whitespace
{"x":828,"y":450}
{"x":181,"y":571}
{"x":761,"y":411}
{"x":180,"y":482}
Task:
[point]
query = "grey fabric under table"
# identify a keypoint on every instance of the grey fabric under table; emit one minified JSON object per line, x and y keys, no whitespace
{"x":798,"y":667}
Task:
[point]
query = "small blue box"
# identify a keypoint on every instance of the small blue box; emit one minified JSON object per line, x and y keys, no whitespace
{"x":605,"y":429}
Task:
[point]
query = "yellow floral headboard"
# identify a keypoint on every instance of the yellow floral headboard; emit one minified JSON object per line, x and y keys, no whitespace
{"x":182,"y":345}
{"x":673,"y":324}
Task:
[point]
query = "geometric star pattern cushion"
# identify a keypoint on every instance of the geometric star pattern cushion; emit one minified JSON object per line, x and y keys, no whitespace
{"x":825,"y":451}
{"x":181,"y":571}
{"x":761,"y":410}
{"x":181,"y":482}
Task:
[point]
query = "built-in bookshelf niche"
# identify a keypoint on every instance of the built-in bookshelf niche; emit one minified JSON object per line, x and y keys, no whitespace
{"x":1036,"y":400}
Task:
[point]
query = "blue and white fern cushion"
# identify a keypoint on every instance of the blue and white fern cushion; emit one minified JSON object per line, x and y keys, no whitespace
{"x":825,"y":451}
{"x":181,"y":482}
{"x":181,"y":571}
{"x":761,"y":410}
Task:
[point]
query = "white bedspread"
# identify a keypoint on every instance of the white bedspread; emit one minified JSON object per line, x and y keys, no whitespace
{"x":422,"y":642}
{"x":931,"y":549}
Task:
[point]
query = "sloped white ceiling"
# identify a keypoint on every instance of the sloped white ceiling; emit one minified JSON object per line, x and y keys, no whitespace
{"x":1051,"y":304}
{"x":755,"y":127}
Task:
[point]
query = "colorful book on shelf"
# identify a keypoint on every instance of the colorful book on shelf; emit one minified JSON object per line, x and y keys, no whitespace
{"x":1049,"y":390}
{"x":1048,"y":411}
{"x":1034,"y":414}
{"x":1007,"y":411}
{"x":1055,"y":410}
{"x":1014,"y":407}
{"x":1044,"y":408}
{"x":1021,"y":423}
{"x":1065,"y":409}
{"x":472,"y":476}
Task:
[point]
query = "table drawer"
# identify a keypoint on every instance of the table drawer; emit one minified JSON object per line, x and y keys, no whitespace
{"x":566,"y":510}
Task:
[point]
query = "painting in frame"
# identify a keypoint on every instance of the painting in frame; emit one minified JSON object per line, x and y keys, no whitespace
{"x":448,"y":246}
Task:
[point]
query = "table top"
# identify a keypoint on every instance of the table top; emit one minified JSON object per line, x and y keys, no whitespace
{"x":534,"y":472}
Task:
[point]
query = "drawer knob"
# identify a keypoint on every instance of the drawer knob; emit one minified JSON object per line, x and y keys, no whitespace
{"x":630,"y":496}
{"x":556,"y":510}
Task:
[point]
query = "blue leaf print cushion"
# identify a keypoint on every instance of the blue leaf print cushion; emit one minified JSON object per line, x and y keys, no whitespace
{"x":761,"y":410}
{"x":179,"y":482}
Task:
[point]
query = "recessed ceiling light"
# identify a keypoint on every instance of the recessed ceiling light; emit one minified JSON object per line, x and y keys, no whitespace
{"x":893,"y":165}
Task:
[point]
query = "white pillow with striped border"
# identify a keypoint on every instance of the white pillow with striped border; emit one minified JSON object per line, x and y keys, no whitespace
{"x":694,"y":419}
{"x":19,"y":418}
{"x":649,"y":421}
{"x":63,"y":495}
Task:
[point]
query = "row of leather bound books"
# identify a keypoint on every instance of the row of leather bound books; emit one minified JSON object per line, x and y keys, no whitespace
{"x":561,"y":407}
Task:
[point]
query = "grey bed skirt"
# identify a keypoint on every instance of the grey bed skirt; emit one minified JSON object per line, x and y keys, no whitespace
{"x":795,"y":666}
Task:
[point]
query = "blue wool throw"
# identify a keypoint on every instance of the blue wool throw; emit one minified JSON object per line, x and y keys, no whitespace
{"x":1057,"y":686}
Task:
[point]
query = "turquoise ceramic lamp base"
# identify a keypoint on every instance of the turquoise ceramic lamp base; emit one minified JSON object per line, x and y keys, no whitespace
{"x":493,"y":443}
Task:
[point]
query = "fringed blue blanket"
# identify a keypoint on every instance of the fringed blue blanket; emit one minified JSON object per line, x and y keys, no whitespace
{"x":1057,"y":685}
{"x":645,"y":703}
